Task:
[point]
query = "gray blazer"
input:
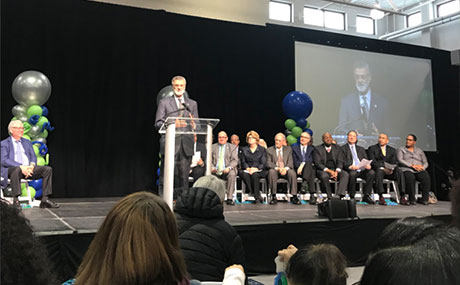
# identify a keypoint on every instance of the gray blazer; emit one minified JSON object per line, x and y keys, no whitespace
{"x":287,"y":157}
{"x":168,"y":108}
{"x":230,"y":156}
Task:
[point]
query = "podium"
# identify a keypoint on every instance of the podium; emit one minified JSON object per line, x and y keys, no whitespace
{"x":186,"y":126}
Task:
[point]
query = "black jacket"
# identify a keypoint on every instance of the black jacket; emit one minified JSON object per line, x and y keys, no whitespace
{"x":208,"y":242}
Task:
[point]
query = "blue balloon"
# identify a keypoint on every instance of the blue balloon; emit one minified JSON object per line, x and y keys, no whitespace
{"x":302,"y":123}
{"x":309,"y":131}
{"x":44,"y":111}
{"x":158,"y":171}
{"x":38,"y":193}
{"x":37,"y":184}
{"x":297,"y":105}
{"x":34,"y":119}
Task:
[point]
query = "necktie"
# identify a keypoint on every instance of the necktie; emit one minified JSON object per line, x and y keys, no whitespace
{"x":220,"y":163}
{"x":19,"y":158}
{"x":355,"y":155}
{"x":384,"y":151}
{"x":365,"y":108}
{"x":328,"y":149}
{"x":280,"y":160}
{"x":303,"y":153}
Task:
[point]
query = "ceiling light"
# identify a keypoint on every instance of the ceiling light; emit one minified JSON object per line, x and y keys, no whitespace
{"x":377,"y":14}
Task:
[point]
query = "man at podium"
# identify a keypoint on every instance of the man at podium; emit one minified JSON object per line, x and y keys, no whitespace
{"x":177,"y":106}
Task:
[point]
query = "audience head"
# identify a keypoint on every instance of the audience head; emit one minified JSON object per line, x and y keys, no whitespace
{"x":383,"y":139}
{"x":136,"y":244}
{"x":252,"y":137}
{"x":317,"y":264}
{"x":178,"y":83}
{"x":213,"y":183}
{"x":222,"y":138}
{"x":280,"y":140}
{"x":411,"y":140}
{"x":16,"y":129}
{"x":305,"y":139}
{"x":352,"y":137}
{"x":434,"y":259}
{"x":24,"y":260}
{"x":327,"y":139}
{"x":235,"y":139}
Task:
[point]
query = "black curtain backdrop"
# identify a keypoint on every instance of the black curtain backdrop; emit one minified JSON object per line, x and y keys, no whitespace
{"x":106,"y":64}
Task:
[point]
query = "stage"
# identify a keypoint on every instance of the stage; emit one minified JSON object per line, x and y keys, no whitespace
{"x":68,"y":230}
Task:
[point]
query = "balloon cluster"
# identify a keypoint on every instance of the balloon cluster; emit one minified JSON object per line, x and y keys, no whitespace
{"x":297,"y":106}
{"x":31,"y":89}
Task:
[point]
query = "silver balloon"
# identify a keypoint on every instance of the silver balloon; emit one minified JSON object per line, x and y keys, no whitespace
{"x":166,"y":92}
{"x":43,"y":140}
{"x":34,"y":131}
{"x":31,"y":88}
{"x":19,"y":110}
{"x":22,"y":118}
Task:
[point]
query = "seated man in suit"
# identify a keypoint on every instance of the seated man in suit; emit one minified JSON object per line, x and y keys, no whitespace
{"x":224,"y":163}
{"x":303,"y":163}
{"x":280,"y":164}
{"x":328,"y":159}
{"x":198,"y":168}
{"x":413,"y":163}
{"x":19,"y":161}
{"x":384,"y":163}
{"x":353,"y":154}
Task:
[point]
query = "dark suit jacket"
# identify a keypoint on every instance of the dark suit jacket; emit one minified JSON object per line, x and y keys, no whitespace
{"x":297,"y":155}
{"x":320,"y":156}
{"x":168,"y":108}
{"x":257,"y":159}
{"x":348,"y":157}
{"x":287,"y":157}
{"x":350,"y":117}
{"x":7,"y":156}
{"x":375,"y":153}
{"x":230,"y":156}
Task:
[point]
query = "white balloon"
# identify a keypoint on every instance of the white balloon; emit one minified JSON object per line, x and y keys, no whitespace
{"x":31,"y":88}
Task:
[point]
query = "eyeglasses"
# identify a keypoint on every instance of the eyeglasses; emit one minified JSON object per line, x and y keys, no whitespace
{"x":409,"y":139}
{"x":18,"y":128}
{"x":222,"y":137}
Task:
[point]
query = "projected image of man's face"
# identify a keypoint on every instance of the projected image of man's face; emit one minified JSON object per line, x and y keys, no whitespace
{"x":362,"y":80}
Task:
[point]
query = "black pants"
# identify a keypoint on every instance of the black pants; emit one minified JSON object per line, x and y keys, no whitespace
{"x":252,"y":182}
{"x":343,"y":178}
{"x":45,"y":172}
{"x":423,"y":177}
{"x":308,"y":175}
{"x":397,"y":175}
{"x":197,"y":172}
{"x":368,"y":175}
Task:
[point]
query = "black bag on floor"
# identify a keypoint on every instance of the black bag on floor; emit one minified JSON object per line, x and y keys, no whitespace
{"x":338,"y":209}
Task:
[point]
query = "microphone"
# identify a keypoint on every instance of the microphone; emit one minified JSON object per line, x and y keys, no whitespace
{"x":186,"y":107}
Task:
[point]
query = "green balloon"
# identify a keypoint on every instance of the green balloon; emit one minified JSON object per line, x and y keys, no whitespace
{"x":36,"y":149}
{"x":31,"y":190}
{"x":291,"y":139}
{"x":27,"y":127}
{"x":296,"y":132}
{"x":14,"y":119}
{"x":308,"y":125}
{"x":34,"y":110}
{"x":26,"y":136}
{"x":43,"y":134}
{"x":47,"y":158}
{"x":41,"y":161}
{"x":41,"y":121}
{"x":289,"y":124}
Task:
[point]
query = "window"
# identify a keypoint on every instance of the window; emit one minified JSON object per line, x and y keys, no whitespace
{"x":414,"y":19}
{"x":280,"y":11}
{"x":365,"y":25}
{"x":334,"y":20}
{"x":448,"y":8}
{"x":313,"y":16}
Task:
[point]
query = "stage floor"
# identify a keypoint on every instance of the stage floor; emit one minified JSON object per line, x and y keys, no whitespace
{"x":85,"y":215}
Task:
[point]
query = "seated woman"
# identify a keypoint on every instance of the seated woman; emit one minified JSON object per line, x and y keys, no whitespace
{"x":253,"y":159}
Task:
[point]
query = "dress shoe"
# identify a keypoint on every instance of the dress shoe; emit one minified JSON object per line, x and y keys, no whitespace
{"x":295,"y":200}
{"x":382,"y":201}
{"x":273,"y":201}
{"x":48,"y":204}
{"x":412,"y":202}
{"x":420,"y":201}
{"x":368,"y":200}
{"x":404,"y":201}
{"x":230,"y":202}
{"x":16,"y":203}
{"x":313,"y":199}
